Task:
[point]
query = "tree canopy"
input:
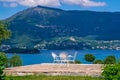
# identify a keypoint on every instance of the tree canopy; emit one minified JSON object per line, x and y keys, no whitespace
{"x":110,"y":60}
{"x":15,"y":61}
{"x":89,"y":57}
{"x":4,"y":32}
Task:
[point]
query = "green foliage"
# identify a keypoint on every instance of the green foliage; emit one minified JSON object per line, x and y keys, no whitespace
{"x":2,"y":75}
{"x":98,"y":62}
{"x":89,"y":57}
{"x":78,"y":62}
{"x":4,"y":32}
{"x":110,"y":60}
{"x":118,"y":61}
{"x":111,"y":72}
{"x":15,"y":61}
{"x":3,"y":60}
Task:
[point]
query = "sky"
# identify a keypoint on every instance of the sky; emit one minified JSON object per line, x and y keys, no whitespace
{"x":10,"y":7}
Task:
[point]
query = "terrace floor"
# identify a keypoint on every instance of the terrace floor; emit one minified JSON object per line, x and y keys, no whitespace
{"x":56,"y":69}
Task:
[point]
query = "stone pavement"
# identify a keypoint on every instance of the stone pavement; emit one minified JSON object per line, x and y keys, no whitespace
{"x":56,"y":69}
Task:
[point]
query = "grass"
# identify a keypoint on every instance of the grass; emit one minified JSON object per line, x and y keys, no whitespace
{"x":42,"y":77}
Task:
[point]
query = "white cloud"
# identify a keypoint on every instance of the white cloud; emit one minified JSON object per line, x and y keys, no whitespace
{"x":85,"y":3}
{"x":13,"y":4}
{"x":5,"y":5}
{"x":9,"y":4}
{"x":54,"y":3}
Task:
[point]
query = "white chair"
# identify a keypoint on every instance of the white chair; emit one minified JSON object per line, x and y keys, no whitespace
{"x":55,"y":58}
{"x":63,"y":57}
{"x":72,"y":58}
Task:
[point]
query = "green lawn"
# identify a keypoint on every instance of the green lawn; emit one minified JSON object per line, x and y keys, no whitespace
{"x":52,"y":78}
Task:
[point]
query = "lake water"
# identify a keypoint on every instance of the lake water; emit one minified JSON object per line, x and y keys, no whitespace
{"x":45,"y":55}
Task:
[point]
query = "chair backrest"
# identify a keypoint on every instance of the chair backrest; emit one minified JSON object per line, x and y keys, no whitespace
{"x":75,"y":54}
{"x":63,"y":56}
{"x":54,"y":55}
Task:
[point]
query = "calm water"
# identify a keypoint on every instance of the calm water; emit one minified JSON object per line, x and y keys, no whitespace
{"x":45,"y":55}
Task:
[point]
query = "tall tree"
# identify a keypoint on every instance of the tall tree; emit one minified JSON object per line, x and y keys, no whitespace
{"x":15,"y":61}
{"x":4,"y":32}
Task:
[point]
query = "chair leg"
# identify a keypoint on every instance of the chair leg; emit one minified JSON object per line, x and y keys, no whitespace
{"x":61,"y":61}
{"x":74,"y":62}
{"x":57,"y":62}
{"x":67,"y":63}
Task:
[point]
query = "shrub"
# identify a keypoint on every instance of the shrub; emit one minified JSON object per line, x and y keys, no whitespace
{"x":89,"y":57}
{"x":98,"y":62}
{"x":118,"y":61}
{"x":3,"y":60}
{"x":78,"y":62}
{"x":110,"y":60}
{"x":111,"y":72}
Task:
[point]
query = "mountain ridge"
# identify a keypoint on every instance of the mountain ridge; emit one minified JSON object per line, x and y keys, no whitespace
{"x":39,"y":24}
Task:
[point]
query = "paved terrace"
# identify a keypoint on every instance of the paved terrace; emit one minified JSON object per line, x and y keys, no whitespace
{"x":56,"y":69}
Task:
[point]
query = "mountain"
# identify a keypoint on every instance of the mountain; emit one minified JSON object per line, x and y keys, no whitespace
{"x":43,"y":24}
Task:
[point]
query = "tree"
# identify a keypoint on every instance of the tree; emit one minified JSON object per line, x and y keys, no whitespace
{"x":15,"y":61}
{"x":4,"y":34}
{"x":98,"y":62}
{"x":110,"y":60}
{"x":89,"y":57}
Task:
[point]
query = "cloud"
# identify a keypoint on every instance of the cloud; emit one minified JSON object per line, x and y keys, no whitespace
{"x":85,"y":3}
{"x":13,"y":4}
{"x":10,"y":4}
{"x":53,"y":3}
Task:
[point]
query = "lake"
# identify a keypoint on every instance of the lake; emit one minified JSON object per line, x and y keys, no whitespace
{"x":45,"y":55}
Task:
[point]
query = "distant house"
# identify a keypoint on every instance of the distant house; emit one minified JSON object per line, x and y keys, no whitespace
{"x":4,"y":47}
{"x":117,"y":48}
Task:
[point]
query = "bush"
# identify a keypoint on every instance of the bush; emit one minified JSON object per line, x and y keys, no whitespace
{"x":89,"y":57}
{"x":110,"y":60}
{"x":15,"y":61}
{"x":3,"y":60}
{"x":98,"y":62}
{"x":77,"y":62}
{"x":111,"y":72}
{"x":118,"y":61}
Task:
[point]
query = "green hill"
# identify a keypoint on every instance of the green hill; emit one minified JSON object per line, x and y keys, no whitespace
{"x":42,"y":25}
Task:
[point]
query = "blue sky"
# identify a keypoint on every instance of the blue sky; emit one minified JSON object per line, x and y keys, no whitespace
{"x":10,"y":7}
